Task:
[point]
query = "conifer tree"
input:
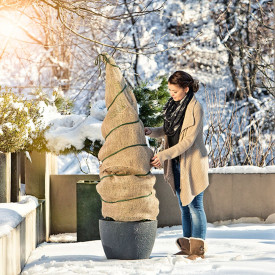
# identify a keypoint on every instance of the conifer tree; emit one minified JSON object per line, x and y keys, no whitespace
{"x":151,"y":103}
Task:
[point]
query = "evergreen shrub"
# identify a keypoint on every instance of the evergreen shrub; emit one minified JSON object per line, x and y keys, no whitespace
{"x":20,"y":124}
{"x":151,"y":103}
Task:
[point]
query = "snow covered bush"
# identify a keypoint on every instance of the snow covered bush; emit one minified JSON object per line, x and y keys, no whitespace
{"x":43,"y":123}
{"x":20,"y":124}
{"x":68,"y":132}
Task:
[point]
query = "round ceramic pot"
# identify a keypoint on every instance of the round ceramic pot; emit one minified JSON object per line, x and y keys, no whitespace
{"x":127,"y":240}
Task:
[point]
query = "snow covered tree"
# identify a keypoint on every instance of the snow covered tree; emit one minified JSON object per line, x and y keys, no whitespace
{"x":63,"y":39}
{"x":244,"y":27}
{"x":151,"y":102}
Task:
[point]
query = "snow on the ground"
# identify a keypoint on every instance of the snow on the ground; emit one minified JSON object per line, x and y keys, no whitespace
{"x":232,"y":249}
{"x":63,"y":238}
{"x":11,"y":214}
{"x":246,"y":169}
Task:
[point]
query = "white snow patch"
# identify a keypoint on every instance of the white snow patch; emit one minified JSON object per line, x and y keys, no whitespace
{"x":78,"y":164}
{"x":246,"y":169}
{"x":72,"y":130}
{"x":270,"y":218}
{"x":11,"y":214}
{"x":98,"y":110}
{"x":63,"y":238}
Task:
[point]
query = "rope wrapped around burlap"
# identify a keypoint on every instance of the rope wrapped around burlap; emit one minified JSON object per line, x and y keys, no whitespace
{"x":126,"y":184}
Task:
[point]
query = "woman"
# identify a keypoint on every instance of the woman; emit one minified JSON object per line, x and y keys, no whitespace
{"x":185,"y":159}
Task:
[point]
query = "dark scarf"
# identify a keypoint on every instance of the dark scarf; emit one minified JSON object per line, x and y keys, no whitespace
{"x":174,"y":112}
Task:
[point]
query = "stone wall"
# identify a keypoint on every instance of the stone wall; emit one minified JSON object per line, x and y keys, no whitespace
{"x":228,"y":197}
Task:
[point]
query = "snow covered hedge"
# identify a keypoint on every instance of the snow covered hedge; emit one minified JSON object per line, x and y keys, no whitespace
{"x":20,"y":123}
{"x":42,"y":124}
{"x":72,"y":132}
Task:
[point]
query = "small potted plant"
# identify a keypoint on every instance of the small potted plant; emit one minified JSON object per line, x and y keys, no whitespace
{"x":129,"y":204}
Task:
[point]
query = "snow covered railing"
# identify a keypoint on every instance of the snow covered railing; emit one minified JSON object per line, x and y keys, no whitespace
{"x":21,"y":230}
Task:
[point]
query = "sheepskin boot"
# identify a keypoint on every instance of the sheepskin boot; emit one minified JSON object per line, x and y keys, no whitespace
{"x":197,"y":248}
{"x":184,"y":246}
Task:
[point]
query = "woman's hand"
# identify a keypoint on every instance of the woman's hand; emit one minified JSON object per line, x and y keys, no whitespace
{"x":155,"y":161}
{"x":147,"y":131}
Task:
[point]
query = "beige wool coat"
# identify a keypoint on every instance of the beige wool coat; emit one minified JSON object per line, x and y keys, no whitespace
{"x":192,"y":152}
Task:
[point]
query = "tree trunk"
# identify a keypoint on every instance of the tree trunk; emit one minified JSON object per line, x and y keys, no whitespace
{"x":274,"y":39}
{"x":239,"y":92}
{"x":15,"y":177}
{"x":135,"y":44}
{"x":5,"y":177}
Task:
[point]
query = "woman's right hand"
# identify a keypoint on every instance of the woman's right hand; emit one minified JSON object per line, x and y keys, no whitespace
{"x":147,"y":131}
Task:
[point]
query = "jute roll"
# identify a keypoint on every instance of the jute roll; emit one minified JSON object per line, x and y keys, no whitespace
{"x":139,"y":189}
{"x":126,"y":186}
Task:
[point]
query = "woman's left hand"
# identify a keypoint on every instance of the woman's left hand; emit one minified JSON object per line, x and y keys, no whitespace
{"x":155,"y":161}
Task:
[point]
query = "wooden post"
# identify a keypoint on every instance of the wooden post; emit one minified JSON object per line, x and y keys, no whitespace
{"x":15,"y":177}
{"x":37,"y":177}
{"x":5,"y":177}
{"x":22,"y":166}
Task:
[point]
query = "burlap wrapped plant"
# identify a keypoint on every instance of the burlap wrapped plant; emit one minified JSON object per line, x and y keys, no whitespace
{"x":126,"y":185}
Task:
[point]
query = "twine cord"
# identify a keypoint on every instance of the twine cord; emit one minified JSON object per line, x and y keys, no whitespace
{"x":145,"y":196}
{"x":116,"y":97}
{"x":134,"y":145}
{"x":121,"y":175}
{"x":120,"y":126}
{"x":102,"y":57}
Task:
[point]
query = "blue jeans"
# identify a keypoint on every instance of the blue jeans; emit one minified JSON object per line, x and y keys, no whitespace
{"x":192,"y":215}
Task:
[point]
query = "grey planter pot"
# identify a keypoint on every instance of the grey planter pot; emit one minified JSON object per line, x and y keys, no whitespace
{"x":127,"y":240}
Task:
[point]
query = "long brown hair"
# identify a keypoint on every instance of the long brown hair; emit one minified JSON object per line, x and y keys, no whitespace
{"x":184,"y":80}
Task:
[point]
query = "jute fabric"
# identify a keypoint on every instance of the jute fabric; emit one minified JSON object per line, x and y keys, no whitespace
{"x":126,"y":186}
